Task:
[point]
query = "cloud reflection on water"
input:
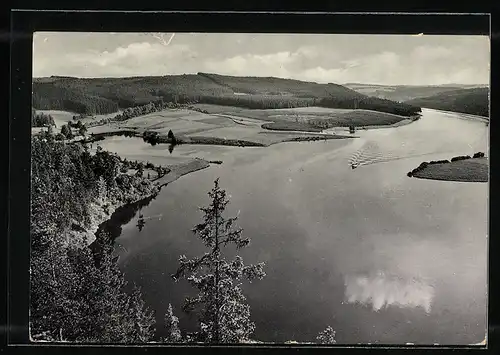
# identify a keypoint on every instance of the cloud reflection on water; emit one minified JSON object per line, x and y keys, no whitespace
{"x":381,"y":291}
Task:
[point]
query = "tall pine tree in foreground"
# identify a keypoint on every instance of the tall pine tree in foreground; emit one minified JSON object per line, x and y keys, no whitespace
{"x":224,"y":316}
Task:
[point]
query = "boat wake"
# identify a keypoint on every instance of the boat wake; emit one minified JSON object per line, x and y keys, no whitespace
{"x":372,"y":153}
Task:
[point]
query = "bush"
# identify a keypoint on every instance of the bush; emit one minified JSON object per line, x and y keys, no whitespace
{"x":462,"y":157}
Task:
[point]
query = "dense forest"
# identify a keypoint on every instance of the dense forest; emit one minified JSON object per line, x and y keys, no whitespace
{"x":101,"y":96}
{"x":74,"y":297}
{"x":471,"y":101}
{"x":47,"y":96}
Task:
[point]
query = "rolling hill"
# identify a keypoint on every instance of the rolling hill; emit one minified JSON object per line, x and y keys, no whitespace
{"x":106,"y":95}
{"x":471,"y":101}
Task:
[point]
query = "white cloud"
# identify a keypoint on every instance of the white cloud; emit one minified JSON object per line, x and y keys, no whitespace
{"x":398,"y":61}
{"x":432,"y":52}
{"x":141,"y":58}
{"x":273,"y":64}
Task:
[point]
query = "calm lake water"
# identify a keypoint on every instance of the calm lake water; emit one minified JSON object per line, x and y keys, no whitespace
{"x":380,"y":257}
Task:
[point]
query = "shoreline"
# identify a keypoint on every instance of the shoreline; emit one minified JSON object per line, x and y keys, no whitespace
{"x":89,"y":235}
{"x":176,"y":172}
{"x":200,"y":140}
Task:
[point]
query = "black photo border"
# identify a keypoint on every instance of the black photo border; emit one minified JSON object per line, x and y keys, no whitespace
{"x":25,"y":22}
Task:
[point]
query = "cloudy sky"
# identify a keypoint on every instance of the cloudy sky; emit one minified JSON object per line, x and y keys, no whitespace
{"x":376,"y":59}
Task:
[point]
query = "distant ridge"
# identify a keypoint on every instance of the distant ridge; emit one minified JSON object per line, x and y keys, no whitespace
{"x":404,"y":93}
{"x":452,"y":85}
{"x":473,"y":101}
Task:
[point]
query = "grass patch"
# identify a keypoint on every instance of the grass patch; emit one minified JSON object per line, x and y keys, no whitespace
{"x":291,"y":126}
{"x":464,"y":169}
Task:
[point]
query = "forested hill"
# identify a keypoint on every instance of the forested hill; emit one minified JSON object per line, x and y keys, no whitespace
{"x":472,"y":101}
{"x":402,"y":93}
{"x":107,"y":95}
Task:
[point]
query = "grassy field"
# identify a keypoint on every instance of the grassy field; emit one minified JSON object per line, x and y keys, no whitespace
{"x":221,"y":126}
{"x":310,"y":119}
{"x":291,"y":126}
{"x":469,"y":170}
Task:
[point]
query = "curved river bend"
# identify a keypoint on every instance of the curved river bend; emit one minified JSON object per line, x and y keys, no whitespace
{"x":380,"y":257}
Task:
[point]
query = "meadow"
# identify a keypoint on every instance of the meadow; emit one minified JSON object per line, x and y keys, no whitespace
{"x":467,"y":170}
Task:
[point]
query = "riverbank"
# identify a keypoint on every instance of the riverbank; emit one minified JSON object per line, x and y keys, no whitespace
{"x":101,"y":217}
{"x":305,"y":128}
{"x":101,"y":213}
{"x":261,"y":139}
{"x":465,"y":116}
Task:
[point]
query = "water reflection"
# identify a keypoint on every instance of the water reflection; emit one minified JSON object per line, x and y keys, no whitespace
{"x":382,"y":291}
{"x":322,"y":226}
{"x":141,"y":223}
{"x":122,"y":216}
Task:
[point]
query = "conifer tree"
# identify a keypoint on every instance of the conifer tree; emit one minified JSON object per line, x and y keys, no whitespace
{"x":223,"y":315}
{"x":327,"y":336}
{"x":142,"y":317}
{"x":172,"y":325}
{"x":66,"y":131}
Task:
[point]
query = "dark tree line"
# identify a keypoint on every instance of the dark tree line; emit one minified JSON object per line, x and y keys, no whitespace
{"x":47,"y":96}
{"x":41,"y":119}
{"x":258,"y":101}
{"x":136,"y":111}
{"x":371,"y":103}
